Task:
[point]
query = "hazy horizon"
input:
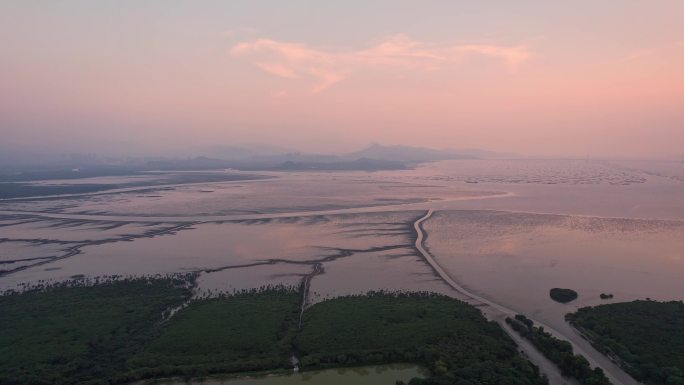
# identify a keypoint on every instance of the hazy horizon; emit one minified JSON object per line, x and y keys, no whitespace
{"x":581,"y":79}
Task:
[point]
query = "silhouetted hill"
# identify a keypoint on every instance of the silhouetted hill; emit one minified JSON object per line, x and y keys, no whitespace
{"x":406,"y":154}
{"x":484,"y":154}
{"x":363,"y":164}
{"x":255,"y":158}
{"x":289,"y":162}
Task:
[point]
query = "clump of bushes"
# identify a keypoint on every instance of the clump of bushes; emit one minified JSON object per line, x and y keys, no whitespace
{"x":562,"y":295}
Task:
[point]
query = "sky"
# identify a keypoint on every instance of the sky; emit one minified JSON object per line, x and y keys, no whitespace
{"x":543,"y":78}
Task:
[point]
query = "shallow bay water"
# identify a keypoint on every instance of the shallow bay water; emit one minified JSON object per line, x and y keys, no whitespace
{"x":244,"y":254}
{"x":515,"y":258}
{"x":507,"y":230}
{"x":374,"y":234}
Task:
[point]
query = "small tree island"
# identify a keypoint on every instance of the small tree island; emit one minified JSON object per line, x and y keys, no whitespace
{"x":562,"y":295}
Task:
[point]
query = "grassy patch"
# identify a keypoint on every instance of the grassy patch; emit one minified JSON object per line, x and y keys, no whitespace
{"x":450,"y":337}
{"x":245,"y":332}
{"x":111,"y":333}
{"x":647,"y":336}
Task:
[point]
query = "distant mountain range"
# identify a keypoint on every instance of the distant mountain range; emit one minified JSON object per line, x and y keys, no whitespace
{"x":373,"y":157}
{"x":253,"y":158}
{"x":406,"y":154}
{"x":409,"y":155}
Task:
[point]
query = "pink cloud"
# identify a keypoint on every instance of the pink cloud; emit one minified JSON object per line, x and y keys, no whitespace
{"x":324,"y":68}
{"x":513,"y":57}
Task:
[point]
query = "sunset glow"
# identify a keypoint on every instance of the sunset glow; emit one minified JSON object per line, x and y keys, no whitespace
{"x":587,"y":78}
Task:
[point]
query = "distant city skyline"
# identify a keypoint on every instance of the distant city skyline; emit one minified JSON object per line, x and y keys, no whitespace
{"x":161,"y":77}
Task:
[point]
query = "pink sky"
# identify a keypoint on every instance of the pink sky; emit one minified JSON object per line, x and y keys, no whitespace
{"x":534,"y":77}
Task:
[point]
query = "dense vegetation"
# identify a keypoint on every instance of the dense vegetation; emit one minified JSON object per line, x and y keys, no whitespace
{"x":562,"y":295}
{"x":647,"y":336}
{"x":116,"y":331}
{"x":76,"y":333}
{"x":252,"y":330}
{"x":559,"y":352}
{"x":450,"y":337}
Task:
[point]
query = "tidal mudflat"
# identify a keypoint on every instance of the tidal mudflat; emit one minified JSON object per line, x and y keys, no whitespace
{"x":27,"y":186}
{"x":347,"y":254}
{"x":505,"y":230}
{"x":570,"y":187}
{"x":294,"y":192}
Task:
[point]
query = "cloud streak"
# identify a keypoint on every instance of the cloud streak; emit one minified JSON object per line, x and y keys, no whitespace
{"x":327,"y":67}
{"x":656,"y":51}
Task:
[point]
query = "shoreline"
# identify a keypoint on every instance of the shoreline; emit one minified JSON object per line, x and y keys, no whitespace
{"x":616,"y":374}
